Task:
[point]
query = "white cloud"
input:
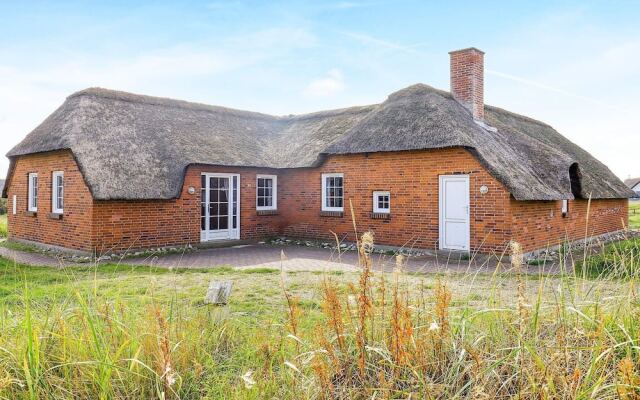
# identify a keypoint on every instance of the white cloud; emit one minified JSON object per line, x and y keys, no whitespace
{"x":329,"y":85}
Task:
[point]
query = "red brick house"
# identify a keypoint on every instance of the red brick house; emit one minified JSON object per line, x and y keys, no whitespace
{"x":426,"y":168}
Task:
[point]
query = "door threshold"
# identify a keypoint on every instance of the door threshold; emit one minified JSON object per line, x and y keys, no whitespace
{"x":214,"y":244}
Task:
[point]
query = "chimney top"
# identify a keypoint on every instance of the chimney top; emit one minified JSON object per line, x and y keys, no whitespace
{"x":467,"y":80}
{"x":468,"y":49}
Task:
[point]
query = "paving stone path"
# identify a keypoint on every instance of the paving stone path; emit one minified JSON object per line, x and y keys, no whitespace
{"x":296,"y":258}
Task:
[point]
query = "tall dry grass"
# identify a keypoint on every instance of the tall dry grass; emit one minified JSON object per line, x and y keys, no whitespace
{"x":376,"y":335}
{"x":412,"y":344}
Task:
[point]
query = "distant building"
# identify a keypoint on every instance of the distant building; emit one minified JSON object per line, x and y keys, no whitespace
{"x":634,"y":184}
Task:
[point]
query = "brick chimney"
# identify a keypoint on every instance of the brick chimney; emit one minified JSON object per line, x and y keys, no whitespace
{"x":467,"y":80}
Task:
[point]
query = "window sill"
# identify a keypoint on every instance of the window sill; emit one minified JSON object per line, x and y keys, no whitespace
{"x":379,"y":215}
{"x":55,"y":216}
{"x":267,"y":212}
{"x":32,"y":213}
{"x":337,"y":214}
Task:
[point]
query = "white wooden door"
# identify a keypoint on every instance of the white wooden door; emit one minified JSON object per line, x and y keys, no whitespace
{"x":220,"y":210}
{"x":454,"y":212}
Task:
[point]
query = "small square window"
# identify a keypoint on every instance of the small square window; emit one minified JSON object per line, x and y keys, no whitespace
{"x":382,"y":202}
{"x":266,"y":192}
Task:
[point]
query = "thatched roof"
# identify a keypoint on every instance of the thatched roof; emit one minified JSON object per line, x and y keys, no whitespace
{"x":137,"y":147}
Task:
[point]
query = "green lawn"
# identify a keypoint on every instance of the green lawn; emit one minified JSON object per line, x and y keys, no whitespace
{"x":3,"y":226}
{"x":125,"y":332}
{"x":634,"y":214}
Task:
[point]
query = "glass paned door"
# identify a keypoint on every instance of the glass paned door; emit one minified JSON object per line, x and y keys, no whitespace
{"x":219,"y":207}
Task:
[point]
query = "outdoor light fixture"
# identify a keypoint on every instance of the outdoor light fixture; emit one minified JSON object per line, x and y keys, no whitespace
{"x":191,"y":190}
{"x":484,"y":189}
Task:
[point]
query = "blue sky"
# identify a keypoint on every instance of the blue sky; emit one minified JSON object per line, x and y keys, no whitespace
{"x":574,"y":65}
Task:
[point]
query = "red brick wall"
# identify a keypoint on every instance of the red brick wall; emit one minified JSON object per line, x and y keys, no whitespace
{"x":412,"y":179}
{"x":539,"y":224}
{"x":122,"y":225}
{"x":74,"y":229}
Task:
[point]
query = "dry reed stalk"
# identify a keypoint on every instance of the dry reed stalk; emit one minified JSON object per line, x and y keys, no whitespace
{"x":293,"y":310}
{"x":333,"y":310}
{"x":629,"y":386}
{"x":443,"y":300}
{"x":165,"y":368}
{"x":517,"y":262}
{"x":364,"y":298}
{"x":401,"y":326}
{"x":322,"y":372}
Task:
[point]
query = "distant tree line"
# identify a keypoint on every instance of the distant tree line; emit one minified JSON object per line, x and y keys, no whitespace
{"x":3,"y":206}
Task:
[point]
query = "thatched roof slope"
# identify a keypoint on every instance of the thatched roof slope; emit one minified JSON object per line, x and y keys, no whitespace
{"x":137,"y":147}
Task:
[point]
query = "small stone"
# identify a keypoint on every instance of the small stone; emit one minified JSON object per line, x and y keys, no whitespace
{"x":218,"y":292}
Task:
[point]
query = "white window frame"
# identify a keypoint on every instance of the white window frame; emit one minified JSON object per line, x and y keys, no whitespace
{"x":565,"y":207}
{"x":324,"y":192}
{"x":31,"y":196}
{"x":274,"y":193}
{"x":376,"y":195}
{"x":14,"y":204}
{"x":54,"y":192}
